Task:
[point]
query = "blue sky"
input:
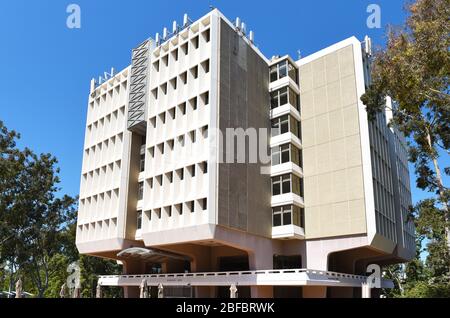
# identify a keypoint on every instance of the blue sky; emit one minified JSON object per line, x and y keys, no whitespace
{"x":46,"y":67}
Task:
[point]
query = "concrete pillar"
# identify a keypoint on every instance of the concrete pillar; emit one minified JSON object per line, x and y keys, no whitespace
{"x":160,"y":291}
{"x":132,"y":267}
{"x":261,"y":261}
{"x":314,"y":291}
{"x":233,"y":291}
{"x":365,"y":290}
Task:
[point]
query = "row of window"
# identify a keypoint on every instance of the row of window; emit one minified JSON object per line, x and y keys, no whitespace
{"x":194,"y":44}
{"x":181,"y":109}
{"x":286,"y":153}
{"x":284,"y":96}
{"x":287,"y":183}
{"x":181,"y":78}
{"x":191,"y":170}
{"x":284,"y":124}
{"x":111,"y":92}
{"x":192,"y":135}
{"x":179,"y":208}
{"x":283,"y":69}
{"x":287,"y":215}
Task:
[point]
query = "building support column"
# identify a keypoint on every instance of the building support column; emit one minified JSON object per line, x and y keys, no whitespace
{"x":314,"y":291}
{"x":365,"y":290}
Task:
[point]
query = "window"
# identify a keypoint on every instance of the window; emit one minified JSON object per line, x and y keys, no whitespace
{"x":170,"y":144}
{"x":151,"y":150}
{"x":182,"y":108}
{"x":162,"y":116}
{"x":206,"y":36}
{"x":172,"y":113}
{"x":183,"y":77}
{"x":280,"y":125}
{"x":191,"y":170}
{"x":282,"y":97}
{"x":205,"y":66}
{"x":280,"y":154}
{"x":158,"y":213}
{"x":165,"y":59}
{"x":204,"y":167}
{"x":170,"y":177}
{"x":163,"y":88}
{"x":185,"y":48}
{"x":288,"y":214}
{"x":194,"y":72}
{"x":150,"y":183}
{"x":173,"y":83}
{"x":195,"y":42}
{"x":175,"y":55}
{"x":193,"y":103}
{"x":191,"y":206}
{"x":161,"y":148}
{"x":179,"y":208}
{"x":204,"y":204}
{"x":156,"y":66}
{"x":181,"y":140}
{"x":284,"y":124}
{"x":142,"y":163}
{"x":168,"y":210}
{"x":155,"y":93}
{"x":205,"y":132}
{"x":180,"y":173}
{"x":283,"y":69}
{"x":285,"y":184}
{"x":192,"y":135}
{"x":160,"y":180}
{"x":140,"y":190}
{"x":139,"y":220}
{"x":205,"y":98}
{"x":153,"y":122}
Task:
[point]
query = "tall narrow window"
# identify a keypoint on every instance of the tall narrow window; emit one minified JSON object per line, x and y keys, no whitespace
{"x":142,"y":163}
{"x":139,"y":220}
{"x":140,"y":190}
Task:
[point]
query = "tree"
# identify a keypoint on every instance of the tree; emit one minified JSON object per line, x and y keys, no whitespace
{"x":414,"y":69}
{"x":31,"y":216}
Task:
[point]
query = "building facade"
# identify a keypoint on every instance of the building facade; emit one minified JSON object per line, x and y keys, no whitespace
{"x":169,"y":162}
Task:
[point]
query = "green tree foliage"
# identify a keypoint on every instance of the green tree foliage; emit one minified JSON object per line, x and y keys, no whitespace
{"x":37,"y":228}
{"x":414,"y":69}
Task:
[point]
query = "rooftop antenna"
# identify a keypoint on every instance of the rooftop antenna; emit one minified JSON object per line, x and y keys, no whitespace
{"x":186,"y":20}
{"x":243,"y":27}
{"x":238,"y":23}
{"x":174,"y":27}
{"x":251,"y":36}
{"x":211,"y":7}
{"x":165,"y":33}
{"x":368,"y":45}
{"x":157,"y":39}
{"x":299,"y":54}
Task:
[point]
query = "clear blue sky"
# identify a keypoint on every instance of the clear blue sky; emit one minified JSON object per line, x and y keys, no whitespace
{"x":45,"y":68}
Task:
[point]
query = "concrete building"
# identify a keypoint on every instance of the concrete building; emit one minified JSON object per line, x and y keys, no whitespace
{"x":161,"y":193}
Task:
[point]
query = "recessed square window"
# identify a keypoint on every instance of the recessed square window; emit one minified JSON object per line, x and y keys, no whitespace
{"x":159,"y":179}
{"x":151,"y":150}
{"x":182,"y":108}
{"x":156,"y":66}
{"x":194,"y":42}
{"x":205,"y":132}
{"x":153,"y":122}
{"x":163,"y":88}
{"x":205,"y":66}
{"x":192,"y":135}
{"x":193,"y":103}
{"x":173,"y":83}
{"x":172,"y":113}
{"x":158,"y":213}
{"x":170,"y":144}
{"x":155,"y":93}
{"x":194,"y":72}
{"x":185,"y":48}
{"x":204,"y":204}
{"x":175,"y":55}
{"x":191,"y":206}
{"x":179,"y":208}
{"x":165,"y":60}
{"x":169,"y":176}
{"x":206,"y":36}
{"x":181,"y":140}
{"x":161,"y":148}
{"x":162,"y":117}
{"x":205,"y":98}
{"x":180,"y":173}
{"x":204,"y":167}
{"x":183,"y":77}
